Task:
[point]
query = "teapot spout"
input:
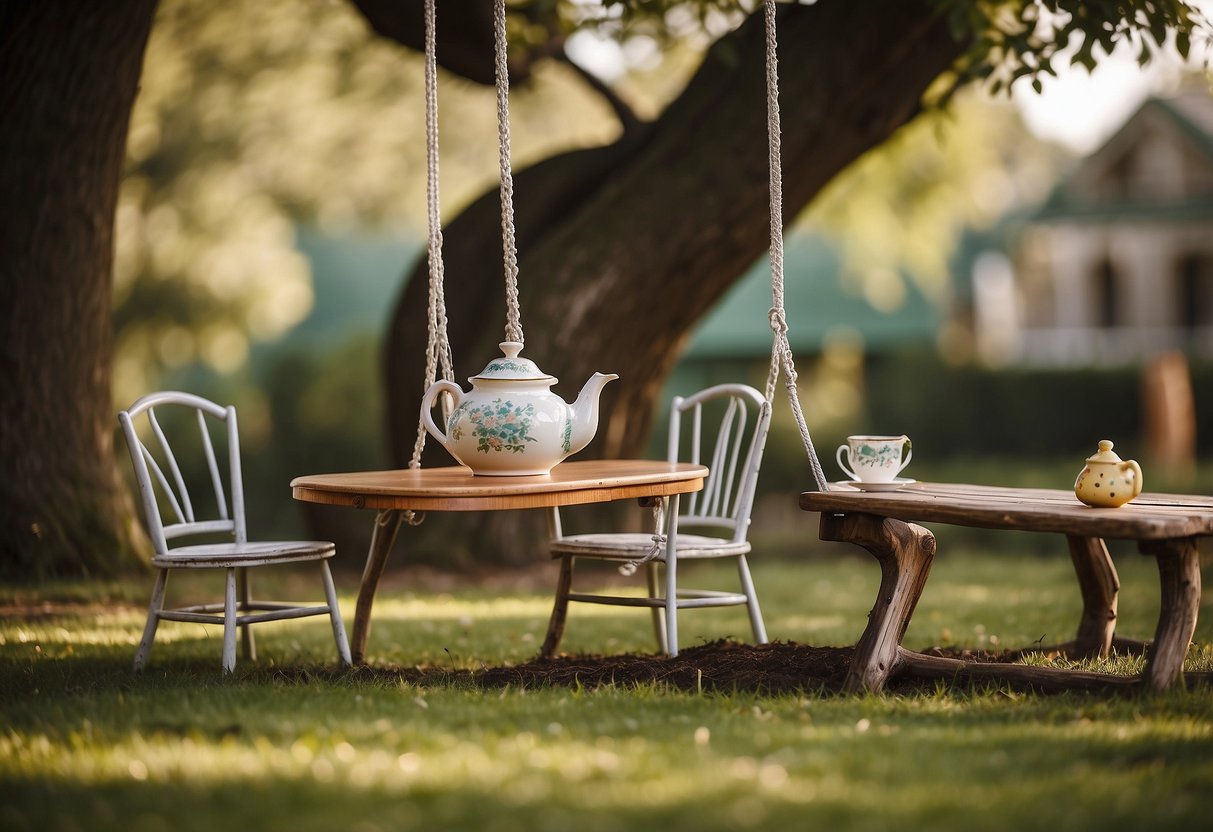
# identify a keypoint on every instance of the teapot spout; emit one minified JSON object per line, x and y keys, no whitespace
{"x":585,"y":411}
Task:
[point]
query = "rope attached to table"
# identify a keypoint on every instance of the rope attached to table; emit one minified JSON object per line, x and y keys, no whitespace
{"x":513,"y":322}
{"x":628,"y":567}
{"x":781,"y":350}
{"x":437,"y":345}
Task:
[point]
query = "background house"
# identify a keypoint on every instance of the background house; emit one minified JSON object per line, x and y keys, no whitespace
{"x":1117,"y":265}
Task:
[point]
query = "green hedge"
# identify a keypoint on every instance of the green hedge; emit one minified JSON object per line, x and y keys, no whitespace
{"x":970,"y":410}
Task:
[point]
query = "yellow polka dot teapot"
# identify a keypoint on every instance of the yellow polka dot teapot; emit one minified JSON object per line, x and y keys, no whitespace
{"x":1107,"y":481}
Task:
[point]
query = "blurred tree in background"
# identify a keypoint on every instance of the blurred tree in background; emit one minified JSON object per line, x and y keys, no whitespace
{"x":255,"y":118}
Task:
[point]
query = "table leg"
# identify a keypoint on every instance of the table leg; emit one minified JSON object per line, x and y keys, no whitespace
{"x":905,"y":552}
{"x":560,"y":609}
{"x":387,"y":526}
{"x":1100,"y":586}
{"x":1179,"y":575}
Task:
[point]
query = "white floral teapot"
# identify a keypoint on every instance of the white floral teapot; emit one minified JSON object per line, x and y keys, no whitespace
{"x":511,"y":423}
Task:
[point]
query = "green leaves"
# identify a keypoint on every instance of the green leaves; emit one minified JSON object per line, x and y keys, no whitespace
{"x":1016,"y":39}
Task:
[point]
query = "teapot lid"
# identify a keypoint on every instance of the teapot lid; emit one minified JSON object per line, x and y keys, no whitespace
{"x":1105,"y":453}
{"x":512,"y":367}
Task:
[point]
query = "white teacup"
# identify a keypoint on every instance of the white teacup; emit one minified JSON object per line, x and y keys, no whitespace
{"x":874,"y":458}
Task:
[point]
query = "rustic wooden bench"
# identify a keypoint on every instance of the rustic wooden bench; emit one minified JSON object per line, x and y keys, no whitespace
{"x":1165,"y":526}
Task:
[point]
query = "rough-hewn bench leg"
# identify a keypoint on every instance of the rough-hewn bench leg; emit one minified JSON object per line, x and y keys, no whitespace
{"x":905,"y":552}
{"x":387,"y":526}
{"x":1100,"y":586}
{"x":1179,"y":575}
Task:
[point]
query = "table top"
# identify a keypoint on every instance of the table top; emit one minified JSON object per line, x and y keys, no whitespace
{"x":1148,"y":517}
{"x":457,"y":489}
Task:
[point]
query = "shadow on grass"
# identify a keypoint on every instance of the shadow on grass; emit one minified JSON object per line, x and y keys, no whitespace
{"x":722,"y":666}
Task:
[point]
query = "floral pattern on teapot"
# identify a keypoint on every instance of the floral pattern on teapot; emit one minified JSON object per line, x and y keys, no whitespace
{"x":498,"y":426}
{"x":506,"y":364}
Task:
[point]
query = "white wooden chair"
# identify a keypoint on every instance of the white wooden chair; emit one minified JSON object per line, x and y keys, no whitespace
{"x":733,"y":454}
{"x":234,"y":552}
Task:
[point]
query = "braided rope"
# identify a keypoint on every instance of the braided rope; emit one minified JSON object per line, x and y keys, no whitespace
{"x":781,"y":350}
{"x":513,"y":318}
{"x":437,"y":346}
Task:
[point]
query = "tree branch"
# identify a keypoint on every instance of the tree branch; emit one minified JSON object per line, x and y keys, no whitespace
{"x":623,"y":111}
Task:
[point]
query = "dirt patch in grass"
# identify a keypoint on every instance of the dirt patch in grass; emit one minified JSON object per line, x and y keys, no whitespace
{"x":727,"y":666}
{"x":717,"y":666}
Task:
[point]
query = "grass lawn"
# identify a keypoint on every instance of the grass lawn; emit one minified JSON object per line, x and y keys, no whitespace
{"x":86,"y":744}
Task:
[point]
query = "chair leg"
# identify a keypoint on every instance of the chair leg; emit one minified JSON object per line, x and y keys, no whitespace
{"x":560,"y":609}
{"x":247,"y":644}
{"x":650,"y":571}
{"x":747,"y":586}
{"x":153,"y":620}
{"x":671,"y":577}
{"x":229,"y":622}
{"x":330,"y":593}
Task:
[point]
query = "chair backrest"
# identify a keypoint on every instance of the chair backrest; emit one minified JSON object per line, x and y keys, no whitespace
{"x":169,"y":508}
{"x":725,"y":428}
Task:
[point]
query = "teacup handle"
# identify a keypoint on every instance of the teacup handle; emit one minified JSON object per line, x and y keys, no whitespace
{"x":906,"y":461}
{"x":838,"y":456}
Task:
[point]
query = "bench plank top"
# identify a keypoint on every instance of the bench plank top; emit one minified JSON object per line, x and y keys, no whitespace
{"x":1148,"y":517}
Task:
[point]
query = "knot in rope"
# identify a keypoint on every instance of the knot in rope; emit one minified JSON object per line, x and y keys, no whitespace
{"x":778,"y":319}
{"x":628,"y":568}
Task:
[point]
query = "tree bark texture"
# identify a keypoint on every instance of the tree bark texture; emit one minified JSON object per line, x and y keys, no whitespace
{"x":622,"y":249}
{"x":69,"y":73}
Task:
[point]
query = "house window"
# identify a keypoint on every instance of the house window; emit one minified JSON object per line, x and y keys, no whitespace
{"x":1195,"y":295}
{"x":1107,"y":305}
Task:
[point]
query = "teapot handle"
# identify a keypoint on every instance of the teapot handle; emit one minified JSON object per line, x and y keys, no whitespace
{"x":1137,"y":480}
{"x":427,"y":406}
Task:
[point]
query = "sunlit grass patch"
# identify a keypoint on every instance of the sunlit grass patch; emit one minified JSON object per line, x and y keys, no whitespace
{"x":292,"y":742}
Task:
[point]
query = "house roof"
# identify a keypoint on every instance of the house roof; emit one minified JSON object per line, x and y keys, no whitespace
{"x":1113,"y":182}
{"x":819,"y":302}
{"x":1193,"y":113}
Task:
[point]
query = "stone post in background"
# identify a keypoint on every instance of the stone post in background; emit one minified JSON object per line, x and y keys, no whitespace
{"x":1170,"y":418}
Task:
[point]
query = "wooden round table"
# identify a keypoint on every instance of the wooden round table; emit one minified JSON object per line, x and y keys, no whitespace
{"x":455,"y":489}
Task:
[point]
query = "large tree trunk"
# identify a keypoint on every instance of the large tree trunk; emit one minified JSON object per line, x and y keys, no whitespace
{"x":68,"y":77}
{"x":623,"y":248}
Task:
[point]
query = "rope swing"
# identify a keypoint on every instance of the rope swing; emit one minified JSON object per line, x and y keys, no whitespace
{"x":438,"y":356}
{"x":437,"y":342}
{"x":781,"y":350}
{"x":438,"y":348}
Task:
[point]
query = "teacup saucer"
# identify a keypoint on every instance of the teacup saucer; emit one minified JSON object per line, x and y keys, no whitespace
{"x":897,"y":483}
